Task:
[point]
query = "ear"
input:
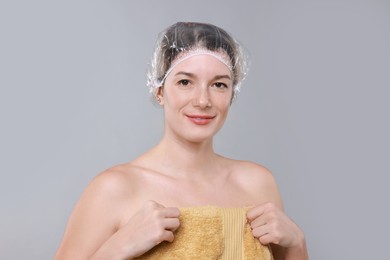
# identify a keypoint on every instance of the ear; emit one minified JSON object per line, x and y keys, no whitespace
{"x":160,"y":95}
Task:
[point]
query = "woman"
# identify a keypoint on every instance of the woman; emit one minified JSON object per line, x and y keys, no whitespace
{"x":146,"y":207}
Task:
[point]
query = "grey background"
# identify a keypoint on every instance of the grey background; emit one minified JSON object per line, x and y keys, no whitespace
{"x":314,"y":110}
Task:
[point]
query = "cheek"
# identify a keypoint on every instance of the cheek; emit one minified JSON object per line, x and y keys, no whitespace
{"x":224,"y":106}
{"x":225,"y":102}
{"x":175,"y":98}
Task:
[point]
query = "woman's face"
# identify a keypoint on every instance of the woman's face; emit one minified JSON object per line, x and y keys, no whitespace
{"x":196,"y":97}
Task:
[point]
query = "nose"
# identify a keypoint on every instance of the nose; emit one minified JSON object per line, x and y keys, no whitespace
{"x":202,"y":97}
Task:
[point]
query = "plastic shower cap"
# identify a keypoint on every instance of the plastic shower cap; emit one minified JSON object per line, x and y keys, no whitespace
{"x":186,"y":39}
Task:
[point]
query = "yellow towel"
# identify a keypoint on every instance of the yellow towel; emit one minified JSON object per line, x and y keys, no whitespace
{"x":212,"y":233}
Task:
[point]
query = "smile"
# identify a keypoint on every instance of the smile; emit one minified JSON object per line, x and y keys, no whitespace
{"x":200,"y":119}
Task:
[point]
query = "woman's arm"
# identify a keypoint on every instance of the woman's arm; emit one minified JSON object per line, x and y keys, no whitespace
{"x":272,"y":226}
{"x":94,"y":230}
{"x":150,"y":226}
{"x":94,"y":219}
{"x":268,"y":220}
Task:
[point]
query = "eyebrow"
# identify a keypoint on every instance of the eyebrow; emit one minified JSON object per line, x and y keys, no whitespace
{"x":192,"y":75}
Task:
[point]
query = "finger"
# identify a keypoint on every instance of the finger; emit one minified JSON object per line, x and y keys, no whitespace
{"x":171,"y":212}
{"x":171,"y":224}
{"x":168,"y":236}
{"x":267,"y":234}
{"x":260,"y":210}
{"x":255,"y":212}
{"x":261,"y":231}
{"x":259,"y":221}
{"x":265,"y":218}
{"x":162,"y":235}
{"x":266,"y":239}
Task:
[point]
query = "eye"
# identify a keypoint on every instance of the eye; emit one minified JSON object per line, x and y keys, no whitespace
{"x":220,"y":85}
{"x":184,"y":82}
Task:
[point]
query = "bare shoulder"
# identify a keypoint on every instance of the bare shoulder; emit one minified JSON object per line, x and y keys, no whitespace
{"x":250,"y":173}
{"x":257,"y":180}
{"x":116,"y":181}
{"x":98,"y":213}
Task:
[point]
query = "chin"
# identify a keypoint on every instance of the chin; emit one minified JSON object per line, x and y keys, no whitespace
{"x":199,"y":140}
{"x":200,"y":137}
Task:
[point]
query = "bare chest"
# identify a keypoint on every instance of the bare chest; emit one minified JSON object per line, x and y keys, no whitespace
{"x":222,"y":192}
{"x":171,"y":192}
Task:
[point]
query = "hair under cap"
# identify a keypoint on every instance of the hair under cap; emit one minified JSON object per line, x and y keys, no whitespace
{"x":186,"y":39}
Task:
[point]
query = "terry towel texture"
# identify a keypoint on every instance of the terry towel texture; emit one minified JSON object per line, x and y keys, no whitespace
{"x":212,"y":233}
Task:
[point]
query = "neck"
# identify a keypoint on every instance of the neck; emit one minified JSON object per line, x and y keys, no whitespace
{"x":185,"y":158}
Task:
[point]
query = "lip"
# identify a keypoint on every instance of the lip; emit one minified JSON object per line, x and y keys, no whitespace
{"x":200,"y":119}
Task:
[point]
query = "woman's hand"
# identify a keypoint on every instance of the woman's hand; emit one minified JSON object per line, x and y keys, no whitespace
{"x":272,"y":226}
{"x":150,"y":226}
